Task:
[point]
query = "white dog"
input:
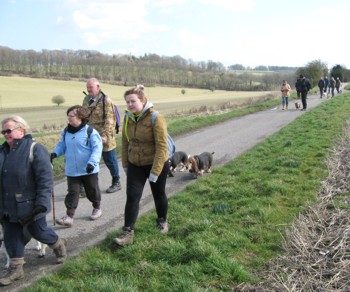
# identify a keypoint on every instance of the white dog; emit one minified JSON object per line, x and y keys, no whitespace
{"x":40,"y":247}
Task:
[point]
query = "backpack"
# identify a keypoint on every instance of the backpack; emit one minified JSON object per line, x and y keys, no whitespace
{"x":171,"y":144}
{"x":116,"y":113}
{"x":89,"y":131}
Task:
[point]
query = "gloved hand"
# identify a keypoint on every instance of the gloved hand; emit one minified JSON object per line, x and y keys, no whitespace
{"x":152,"y":177}
{"x":29,"y":219}
{"x":52,"y":157}
{"x":89,"y":168}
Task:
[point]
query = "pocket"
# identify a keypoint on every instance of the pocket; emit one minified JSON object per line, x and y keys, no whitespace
{"x":25,"y":205}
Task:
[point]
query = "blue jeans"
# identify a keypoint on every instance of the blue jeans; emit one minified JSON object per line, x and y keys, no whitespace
{"x":111,"y":161}
{"x":15,"y":238}
{"x":285,"y":100}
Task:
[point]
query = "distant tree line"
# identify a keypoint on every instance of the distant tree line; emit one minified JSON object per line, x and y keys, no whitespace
{"x":150,"y":70}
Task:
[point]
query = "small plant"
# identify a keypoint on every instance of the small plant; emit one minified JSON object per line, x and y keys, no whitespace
{"x":183,"y":91}
{"x":58,"y":99}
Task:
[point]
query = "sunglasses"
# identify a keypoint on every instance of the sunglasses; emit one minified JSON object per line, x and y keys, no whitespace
{"x":8,"y":131}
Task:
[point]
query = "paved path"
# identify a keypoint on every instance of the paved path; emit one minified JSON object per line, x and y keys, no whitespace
{"x":228,"y":140}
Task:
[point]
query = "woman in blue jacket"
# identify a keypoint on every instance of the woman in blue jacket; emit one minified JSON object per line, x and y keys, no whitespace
{"x":82,"y":147}
{"x":26,"y":182}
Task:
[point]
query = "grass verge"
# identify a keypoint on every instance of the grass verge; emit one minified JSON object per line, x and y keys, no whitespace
{"x":225,"y":226}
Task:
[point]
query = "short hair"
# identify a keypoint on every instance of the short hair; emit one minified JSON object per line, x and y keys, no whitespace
{"x":80,"y":112}
{"x":94,"y":80}
{"x":139,"y":91}
{"x":19,"y":121}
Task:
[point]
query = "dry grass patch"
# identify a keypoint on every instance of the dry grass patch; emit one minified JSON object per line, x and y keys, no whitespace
{"x":317,"y":245}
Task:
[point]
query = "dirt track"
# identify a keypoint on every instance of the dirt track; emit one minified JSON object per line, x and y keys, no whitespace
{"x":228,"y":140}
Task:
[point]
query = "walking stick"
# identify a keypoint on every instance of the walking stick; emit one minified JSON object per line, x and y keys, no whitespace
{"x":53,"y":206}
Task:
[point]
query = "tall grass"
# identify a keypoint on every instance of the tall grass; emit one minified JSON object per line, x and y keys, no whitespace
{"x":223,"y":227}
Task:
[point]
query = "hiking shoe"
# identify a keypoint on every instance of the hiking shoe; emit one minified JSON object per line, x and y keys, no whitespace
{"x":96,"y":213}
{"x":162,"y":225}
{"x":116,"y":186}
{"x":126,"y":238}
{"x":65,"y":221}
{"x":60,"y":250}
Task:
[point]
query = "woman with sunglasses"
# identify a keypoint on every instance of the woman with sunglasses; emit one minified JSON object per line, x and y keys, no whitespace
{"x":26,"y":179}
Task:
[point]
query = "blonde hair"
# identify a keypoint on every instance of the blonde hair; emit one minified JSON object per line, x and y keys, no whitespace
{"x":19,"y":121}
{"x":139,"y":91}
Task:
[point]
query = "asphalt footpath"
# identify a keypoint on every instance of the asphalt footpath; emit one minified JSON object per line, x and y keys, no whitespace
{"x":228,"y":140}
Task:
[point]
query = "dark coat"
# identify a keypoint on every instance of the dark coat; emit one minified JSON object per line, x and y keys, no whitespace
{"x":305,"y":85}
{"x":321,"y":83}
{"x":24,"y":184}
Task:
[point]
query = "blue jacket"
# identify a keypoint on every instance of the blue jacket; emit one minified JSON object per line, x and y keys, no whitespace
{"x":24,"y":184}
{"x":79,"y":150}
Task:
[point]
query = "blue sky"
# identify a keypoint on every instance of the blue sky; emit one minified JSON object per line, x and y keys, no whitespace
{"x":247,"y":32}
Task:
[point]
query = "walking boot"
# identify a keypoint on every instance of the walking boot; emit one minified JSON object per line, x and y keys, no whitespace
{"x":59,"y":248}
{"x":126,"y":238}
{"x":162,"y":225}
{"x":116,"y":186}
{"x":14,"y":272}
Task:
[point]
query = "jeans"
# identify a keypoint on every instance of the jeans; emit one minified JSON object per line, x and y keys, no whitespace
{"x":111,"y":161}
{"x":15,"y":238}
{"x":285,"y":100}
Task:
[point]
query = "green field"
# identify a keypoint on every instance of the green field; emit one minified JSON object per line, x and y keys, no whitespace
{"x":31,"y":99}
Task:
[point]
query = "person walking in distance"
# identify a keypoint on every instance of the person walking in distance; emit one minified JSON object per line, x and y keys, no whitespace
{"x":285,"y":89}
{"x":26,"y":179}
{"x":81,"y":146}
{"x":331,"y":86}
{"x":102,"y":118}
{"x":305,"y":86}
{"x":326,"y":84}
{"x":321,"y":85}
{"x":144,"y":156}
{"x":298,"y":87}
{"x":338,"y":84}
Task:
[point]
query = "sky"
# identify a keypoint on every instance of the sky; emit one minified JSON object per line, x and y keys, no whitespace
{"x":247,"y":32}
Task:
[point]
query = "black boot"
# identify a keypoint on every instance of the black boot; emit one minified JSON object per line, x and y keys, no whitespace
{"x":115,"y":185}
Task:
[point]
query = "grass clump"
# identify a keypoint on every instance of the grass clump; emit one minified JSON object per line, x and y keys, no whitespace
{"x":225,"y":226}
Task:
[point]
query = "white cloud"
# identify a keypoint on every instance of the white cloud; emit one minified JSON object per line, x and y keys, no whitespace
{"x":190,"y":39}
{"x":112,"y":20}
{"x":235,"y":5}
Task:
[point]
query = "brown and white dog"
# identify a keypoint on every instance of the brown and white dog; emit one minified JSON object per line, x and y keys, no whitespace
{"x":198,"y":164}
{"x":297,"y":105}
{"x":178,"y":159}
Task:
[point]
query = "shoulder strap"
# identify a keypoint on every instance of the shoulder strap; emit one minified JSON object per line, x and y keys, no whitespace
{"x":31,"y":150}
{"x":153,"y":118}
{"x":89,"y":131}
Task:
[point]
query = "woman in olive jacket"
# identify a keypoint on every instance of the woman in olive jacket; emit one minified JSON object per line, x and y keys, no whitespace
{"x":144,"y":156}
{"x":26,"y":179}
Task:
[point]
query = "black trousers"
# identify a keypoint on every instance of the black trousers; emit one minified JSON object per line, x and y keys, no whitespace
{"x":303,"y":99}
{"x":92,"y":190}
{"x":136,"y":179}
